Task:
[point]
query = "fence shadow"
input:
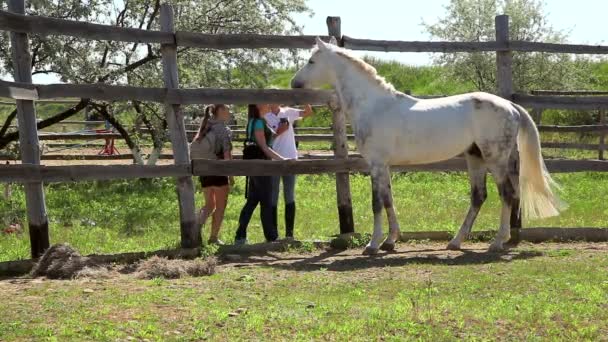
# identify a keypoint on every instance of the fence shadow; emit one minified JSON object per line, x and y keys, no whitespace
{"x":340,"y":261}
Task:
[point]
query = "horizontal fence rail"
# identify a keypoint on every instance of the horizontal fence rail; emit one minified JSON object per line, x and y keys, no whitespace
{"x":51,"y":26}
{"x":21,"y":91}
{"x":75,"y":173}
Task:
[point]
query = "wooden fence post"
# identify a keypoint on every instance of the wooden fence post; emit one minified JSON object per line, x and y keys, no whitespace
{"x":38,"y":223}
{"x":345,"y":206}
{"x":602,"y":145}
{"x":190,"y":234}
{"x":504,"y":82}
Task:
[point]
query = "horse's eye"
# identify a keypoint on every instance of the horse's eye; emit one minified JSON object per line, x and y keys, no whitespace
{"x":311,"y":62}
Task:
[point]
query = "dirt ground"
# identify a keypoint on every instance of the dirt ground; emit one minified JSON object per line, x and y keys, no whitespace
{"x":404,"y":254}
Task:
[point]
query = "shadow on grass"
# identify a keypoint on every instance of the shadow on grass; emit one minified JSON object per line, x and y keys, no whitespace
{"x":351,"y":260}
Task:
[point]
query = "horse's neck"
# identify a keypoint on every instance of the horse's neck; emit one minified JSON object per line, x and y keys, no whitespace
{"x":357,"y":91}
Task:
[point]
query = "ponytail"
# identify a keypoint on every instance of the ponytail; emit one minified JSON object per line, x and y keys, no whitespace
{"x":204,"y":128}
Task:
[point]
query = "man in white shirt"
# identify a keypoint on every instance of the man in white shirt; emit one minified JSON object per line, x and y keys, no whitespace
{"x":281,"y":120}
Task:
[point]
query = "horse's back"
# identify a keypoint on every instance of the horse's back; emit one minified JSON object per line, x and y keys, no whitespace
{"x":435,"y":129}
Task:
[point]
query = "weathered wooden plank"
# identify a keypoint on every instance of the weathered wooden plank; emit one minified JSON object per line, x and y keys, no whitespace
{"x":602,"y":145}
{"x":29,"y":146}
{"x":340,"y":140}
{"x":190,"y":232}
{"x":574,"y":129}
{"x":100,"y":91}
{"x":564,"y":234}
{"x":246,"y":96}
{"x":418,"y":46}
{"x":568,"y":92}
{"x":108,"y":92}
{"x":504,"y":85}
{"x":202,"y":167}
{"x":567,"y":166}
{"x":244,"y":41}
{"x":24,"y":173}
{"x":18,"y":91}
{"x":557,"y":48}
{"x":561,"y":102}
{"x":307,"y":165}
{"x":52,"y":26}
{"x":78,"y":136}
{"x":570,"y":146}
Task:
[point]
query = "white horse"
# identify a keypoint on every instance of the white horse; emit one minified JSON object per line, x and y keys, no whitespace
{"x":392,"y":128}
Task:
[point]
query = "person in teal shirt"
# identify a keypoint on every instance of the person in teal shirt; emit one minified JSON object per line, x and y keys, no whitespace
{"x":259,"y":188}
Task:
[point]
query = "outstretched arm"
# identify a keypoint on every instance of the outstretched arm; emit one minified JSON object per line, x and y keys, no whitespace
{"x":261,"y":141}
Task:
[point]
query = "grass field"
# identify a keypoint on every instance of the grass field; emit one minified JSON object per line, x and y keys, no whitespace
{"x":121,"y":216}
{"x":421,"y":293}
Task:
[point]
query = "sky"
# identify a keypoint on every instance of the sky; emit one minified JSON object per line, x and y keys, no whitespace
{"x":583,"y":20}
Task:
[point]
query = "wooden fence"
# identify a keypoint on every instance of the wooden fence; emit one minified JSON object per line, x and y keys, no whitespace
{"x":172,"y":96}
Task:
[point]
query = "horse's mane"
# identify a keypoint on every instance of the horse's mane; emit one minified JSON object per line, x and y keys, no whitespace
{"x":367,"y":69}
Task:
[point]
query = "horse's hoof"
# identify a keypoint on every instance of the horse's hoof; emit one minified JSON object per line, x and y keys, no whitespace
{"x":388,"y":247}
{"x":452,"y":247}
{"x":370,"y":251}
{"x":496,"y":248}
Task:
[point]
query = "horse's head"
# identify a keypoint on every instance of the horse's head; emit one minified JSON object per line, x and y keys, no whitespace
{"x":318,"y":71}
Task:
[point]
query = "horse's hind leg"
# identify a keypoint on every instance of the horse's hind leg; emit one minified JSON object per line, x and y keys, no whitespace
{"x":507,"y":192}
{"x":379,"y":175}
{"x":477,"y":178}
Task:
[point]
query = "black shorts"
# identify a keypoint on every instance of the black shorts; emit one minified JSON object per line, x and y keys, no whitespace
{"x":207,"y":181}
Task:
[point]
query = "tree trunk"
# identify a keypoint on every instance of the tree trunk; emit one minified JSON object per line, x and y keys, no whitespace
{"x":135,"y":150}
{"x":13,"y":136}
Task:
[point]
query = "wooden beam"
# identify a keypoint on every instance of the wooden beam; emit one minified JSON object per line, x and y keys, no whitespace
{"x":45,"y":26}
{"x":190,"y":232}
{"x":498,"y":46}
{"x":28,"y":139}
{"x":568,"y":92}
{"x":340,"y":140}
{"x":106,"y":92}
{"x":602,"y":146}
{"x":18,"y":91}
{"x":246,"y":96}
{"x":504,"y":85}
{"x":244,"y":41}
{"x":524,"y":46}
{"x":562,"y":102}
{"x":25,"y":173}
{"x":417,"y":46}
{"x":570,"y":146}
{"x":574,"y":129}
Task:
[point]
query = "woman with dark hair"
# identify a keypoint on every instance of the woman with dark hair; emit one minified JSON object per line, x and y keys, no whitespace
{"x":213,"y":141}
{"x":259,"y":188}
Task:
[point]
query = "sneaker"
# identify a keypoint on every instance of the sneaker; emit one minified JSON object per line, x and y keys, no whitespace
{"x":240,"y":242}
{"x":216,"y":242}
{"x":289,"y":239}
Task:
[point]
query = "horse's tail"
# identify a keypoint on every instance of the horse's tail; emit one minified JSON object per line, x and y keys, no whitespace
{"x":537,"y":198}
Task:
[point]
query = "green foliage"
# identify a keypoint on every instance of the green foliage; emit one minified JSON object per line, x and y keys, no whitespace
{"x":473,"y":20}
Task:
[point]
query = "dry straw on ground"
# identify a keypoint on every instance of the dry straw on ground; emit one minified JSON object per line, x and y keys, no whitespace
{"x":63,"y":262}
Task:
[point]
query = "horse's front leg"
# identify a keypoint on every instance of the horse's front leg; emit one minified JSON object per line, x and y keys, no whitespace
{"x":393,"y":224}
{"x":380,"y":187}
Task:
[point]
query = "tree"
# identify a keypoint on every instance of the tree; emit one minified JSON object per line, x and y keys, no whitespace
{"x":81,"y":61}
{"x":473,"y":20}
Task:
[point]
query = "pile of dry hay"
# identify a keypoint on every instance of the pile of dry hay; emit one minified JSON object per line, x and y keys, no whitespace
{"x":63,"y":262}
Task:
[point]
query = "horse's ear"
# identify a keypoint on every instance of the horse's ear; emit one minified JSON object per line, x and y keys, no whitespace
{"x":333,"y":41}
{"x":321,"y":44}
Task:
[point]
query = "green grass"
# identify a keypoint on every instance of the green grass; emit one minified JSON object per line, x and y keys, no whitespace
{"x":538,"y":295}
{"x":120,"y":216}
